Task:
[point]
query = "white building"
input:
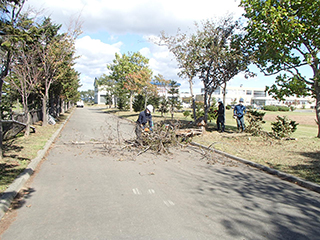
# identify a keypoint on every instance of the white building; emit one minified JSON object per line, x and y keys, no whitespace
{"x":258,"y":97}
{"x":100,"y":93}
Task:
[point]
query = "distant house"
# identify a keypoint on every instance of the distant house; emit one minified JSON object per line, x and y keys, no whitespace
{"x":100,"y":93}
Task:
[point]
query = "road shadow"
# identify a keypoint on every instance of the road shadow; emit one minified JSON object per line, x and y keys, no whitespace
{"x":20,"y":199}
{"x":249,"y":204}
{"x":309,"y":168}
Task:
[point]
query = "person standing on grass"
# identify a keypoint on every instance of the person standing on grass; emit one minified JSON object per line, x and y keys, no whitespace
{"x":220,"y":118}
{"x":144,"y":118}
{"x":238,"y":113}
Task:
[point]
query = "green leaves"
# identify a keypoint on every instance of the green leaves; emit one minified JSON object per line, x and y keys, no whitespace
{"x":284,"y":36}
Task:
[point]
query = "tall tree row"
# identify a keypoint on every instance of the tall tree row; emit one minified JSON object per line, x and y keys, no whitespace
{"x":36,"y":59}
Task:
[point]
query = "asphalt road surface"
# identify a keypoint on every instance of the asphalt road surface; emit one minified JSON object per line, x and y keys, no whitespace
{"x":92,"y":187}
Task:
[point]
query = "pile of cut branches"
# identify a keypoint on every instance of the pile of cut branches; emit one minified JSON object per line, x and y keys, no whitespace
{"x":161,"y":138}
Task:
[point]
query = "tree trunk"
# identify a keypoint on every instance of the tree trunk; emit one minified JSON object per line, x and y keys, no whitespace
{"x":224,"y":95}
{"x":27,"y":130}
{"x":1,"y":131}
{"x":206,"y":108}
{"x":131,"y":101}
{"x":317,"y":92}
{"x":44,"y":111}
{"x":193,"y":100}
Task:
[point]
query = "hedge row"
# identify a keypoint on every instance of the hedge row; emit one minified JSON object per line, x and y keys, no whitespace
{"x":276,"y":108}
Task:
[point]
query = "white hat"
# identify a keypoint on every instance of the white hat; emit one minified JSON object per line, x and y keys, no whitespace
{"x":219,"y":100}
{"x":150,"y":108}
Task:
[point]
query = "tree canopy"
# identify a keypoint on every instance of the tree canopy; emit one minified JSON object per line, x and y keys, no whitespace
{"x":284,"y":39}
{"x":130,"y":73}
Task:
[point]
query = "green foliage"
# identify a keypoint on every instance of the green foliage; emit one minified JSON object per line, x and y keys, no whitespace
{"x":186,"y":114}
{"x":199,"y":110}
{"x":270,"y":108}
{"x":273,"y":108}
{"x":283,"y":38}
{"x":164,"y":106}
{"x":138,"y":103}
{"x":108,"y":98}
{"x":283,"y":109}
{"x":173,"y":99}
{"x":154,"y":100}
{"x":122,"y":102}
{"x":228,"y":107}
{"x":255,"y":121}
{"x":283,"y":127}
{"x":87,"y":96}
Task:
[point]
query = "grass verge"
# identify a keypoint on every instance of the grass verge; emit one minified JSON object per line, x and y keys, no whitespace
{"x":19,"y":151}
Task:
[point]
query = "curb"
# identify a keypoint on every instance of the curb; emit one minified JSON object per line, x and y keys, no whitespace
{"x":284,"y":176}
{"x":11,"y":192}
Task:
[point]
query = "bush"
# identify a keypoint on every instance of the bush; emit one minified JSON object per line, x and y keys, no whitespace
{"x":270,"y":108}
{"x":138,"y":103}
{"x":283,"y":108}
{"x":283,"y":127}
{"x":186,"y":114}
{"x":228,"y":107}
{"x":255,"y":121}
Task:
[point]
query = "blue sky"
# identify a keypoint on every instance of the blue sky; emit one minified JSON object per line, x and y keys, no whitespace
{"x":123,"y":26}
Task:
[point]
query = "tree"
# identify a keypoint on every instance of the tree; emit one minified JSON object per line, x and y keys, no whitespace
{"x":129,"y":72}
{"x":138,"y":103}
{"x":87,"y":96}
{"x":220,"y":56}
{"x":284,"y":38}
{"x":24,"y":77}
{"x":185,"y":52}
{"x":173,"y":99}
{"x":139,"y":82}
{"x":164,"y":108}
{"x":10,"y":12}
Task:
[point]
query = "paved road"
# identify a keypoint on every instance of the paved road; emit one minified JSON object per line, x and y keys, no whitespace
{"x":91,"y":188}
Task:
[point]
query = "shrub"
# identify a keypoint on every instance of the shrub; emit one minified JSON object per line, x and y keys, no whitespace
{"x":228,"y":107}
{"x":186,"y":114}
{"x":292,"y":108}
{"x":138,"y":103}
{"x":283,"y":108}
{"x":255,"y":121}
{"x":270,"y":108}
{"x":283,"y":127}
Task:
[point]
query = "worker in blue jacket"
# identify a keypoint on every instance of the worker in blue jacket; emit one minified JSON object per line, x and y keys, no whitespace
{"x":144,"y":118}
{"x":238,"y":113}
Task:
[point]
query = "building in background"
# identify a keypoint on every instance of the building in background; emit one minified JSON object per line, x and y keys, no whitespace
{"x":258,"y":97}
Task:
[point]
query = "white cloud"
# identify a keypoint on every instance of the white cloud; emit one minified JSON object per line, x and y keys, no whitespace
{"x":113,"y":20}
{"x":94,"y":56}
{"x":139,"y":16}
